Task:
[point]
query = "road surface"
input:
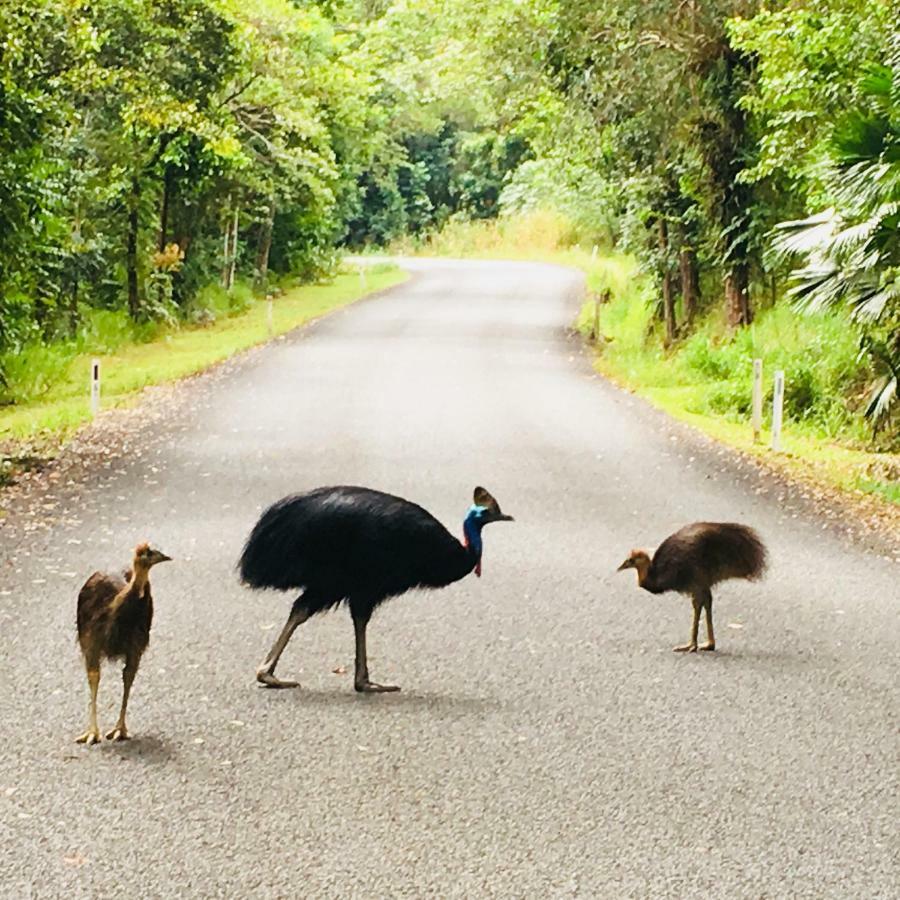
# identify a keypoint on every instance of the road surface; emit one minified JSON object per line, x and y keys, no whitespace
{"x":547,"y":742}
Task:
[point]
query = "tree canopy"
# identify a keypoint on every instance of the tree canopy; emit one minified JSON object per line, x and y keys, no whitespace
{"x":151,"y":147}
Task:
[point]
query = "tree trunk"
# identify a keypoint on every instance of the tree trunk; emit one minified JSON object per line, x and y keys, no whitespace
{"x":74,"y":271}
{"x":728,"y":144}
{"x":737,"y":296}
{"x":690,"y":284}
{"x":132,"y":246}
{"x":73,"y":306}
{"x":232,"y":259}
{"x":667,"y":287}
{"x":168,"y":185}
{"x":263,"y":246}
{"x":231,"y":240}
{"x":227,"y":242}
{"x":41,"y":312}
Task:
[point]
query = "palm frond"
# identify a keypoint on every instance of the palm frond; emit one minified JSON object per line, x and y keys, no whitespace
{"x":803,"y":236}
{"x":858,"y":138}
{"x":878,"y":82}
{"x":884,"y":394}
{"x":882,"y":399}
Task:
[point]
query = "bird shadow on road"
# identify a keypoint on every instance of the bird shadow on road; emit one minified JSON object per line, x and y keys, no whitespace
{"x":748,"y":658}
{"x":149,"y":750}
{"x":406,"y":700}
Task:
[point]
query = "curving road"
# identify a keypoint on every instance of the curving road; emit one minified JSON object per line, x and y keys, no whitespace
{"x":546,"y":742}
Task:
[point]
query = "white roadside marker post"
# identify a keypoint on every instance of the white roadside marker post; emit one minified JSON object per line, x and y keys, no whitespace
{"x":757,"y":399}
{"x":270,"y":322}
{"x":777,"y":410}
{"x":95,"y":387}
{"x":362,"y":278}
{"x":594,"y":252}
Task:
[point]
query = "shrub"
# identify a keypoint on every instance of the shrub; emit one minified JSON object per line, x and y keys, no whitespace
{"x":32,"y":371}
{"x":700,"y":355}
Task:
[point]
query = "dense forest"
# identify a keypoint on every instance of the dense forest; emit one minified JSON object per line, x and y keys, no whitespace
{"x":744,"y":152}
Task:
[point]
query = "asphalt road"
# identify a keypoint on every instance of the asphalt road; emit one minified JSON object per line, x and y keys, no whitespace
{"x":547,"y":742}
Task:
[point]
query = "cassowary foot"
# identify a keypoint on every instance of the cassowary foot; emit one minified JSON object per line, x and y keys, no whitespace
{"x":91,"y":736}
{"x":686,"y":648}
{"x":119,"y":733}
{"x":267,"y":679}
{"x":369,"y":687}
{"x":709,"y":645}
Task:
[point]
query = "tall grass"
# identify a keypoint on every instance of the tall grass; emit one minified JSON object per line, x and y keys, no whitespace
{"x":535,"y":234}
{"x":50,"y":383}
{"x":33,"y":371}
{"x":706,"y":378}
{"x":710,"y":372}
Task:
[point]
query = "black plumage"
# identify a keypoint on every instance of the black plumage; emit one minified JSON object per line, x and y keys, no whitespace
{"x":696,"y":558}
{"x":359,"y":546}
{"x":113,"y":619}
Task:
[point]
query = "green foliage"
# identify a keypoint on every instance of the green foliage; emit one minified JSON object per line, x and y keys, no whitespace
{"x":851,"y":252}
{"x":711,"y":372}
{"x":215,"y":302}
{"x":809,"y":58}
{"x":257,"y":137}
{"x":575,"y":190}
{"x":130,"y":126}
{"x":53,"y":393}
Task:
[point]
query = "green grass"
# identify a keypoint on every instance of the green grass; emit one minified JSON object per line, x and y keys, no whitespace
{"x":889,"y":492}
{"x":538,"y":235}
{"x":51,"y":382}
{"x":710,"y":372}
{"x":705,"y":380}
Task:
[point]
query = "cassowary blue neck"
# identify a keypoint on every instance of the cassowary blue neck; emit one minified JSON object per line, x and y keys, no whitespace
{"x":472,"y":531}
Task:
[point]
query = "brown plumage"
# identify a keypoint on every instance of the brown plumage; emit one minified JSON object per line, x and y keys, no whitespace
{"x":114,"y":617}
{"x":693,"y":560}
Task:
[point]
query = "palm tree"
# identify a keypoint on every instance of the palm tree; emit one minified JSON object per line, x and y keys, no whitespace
{"x":852,"y":251}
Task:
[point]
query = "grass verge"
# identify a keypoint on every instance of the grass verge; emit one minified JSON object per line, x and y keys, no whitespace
{"x":705,"y":380}
{"x":175,"y":353}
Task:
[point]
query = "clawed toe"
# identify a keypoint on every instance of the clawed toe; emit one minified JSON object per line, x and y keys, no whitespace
{"x":118,"y":734}
{"x":369,"y":687}
{"x":709,"y":646}
{"x":266,"y":679}
{"x":686,"y":648}
{"x":89,"y":737}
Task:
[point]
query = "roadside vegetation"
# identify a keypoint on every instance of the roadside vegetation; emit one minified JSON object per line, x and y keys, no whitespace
{"x":706,"y":379}
{"x":737,"y":163}
{"x":53,"y":381}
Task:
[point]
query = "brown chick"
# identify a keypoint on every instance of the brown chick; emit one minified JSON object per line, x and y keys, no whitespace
{"x":693,"y":560}
{"x":114,"y":618}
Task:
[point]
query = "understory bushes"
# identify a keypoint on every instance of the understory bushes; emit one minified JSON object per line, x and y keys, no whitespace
{"x":711,"y":371}
{"x":32,"y":370}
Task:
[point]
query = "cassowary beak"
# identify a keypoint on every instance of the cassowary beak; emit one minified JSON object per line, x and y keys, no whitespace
{"x":159,"y":556}
{"x":505,"y":518}
{"x":628,"y":564}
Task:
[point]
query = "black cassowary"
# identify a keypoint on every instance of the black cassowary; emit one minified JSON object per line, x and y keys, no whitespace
{"x":693,"y":560}
{"x":356,"y":545}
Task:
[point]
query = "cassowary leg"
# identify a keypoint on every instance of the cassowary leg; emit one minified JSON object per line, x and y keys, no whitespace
{"x":361,"y":616}
{"x":265,"y":674}
{"x":695,"y":625}
{"x":710,"y":637}
{"x":92,"y":735}
{"x":120,"y":732}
